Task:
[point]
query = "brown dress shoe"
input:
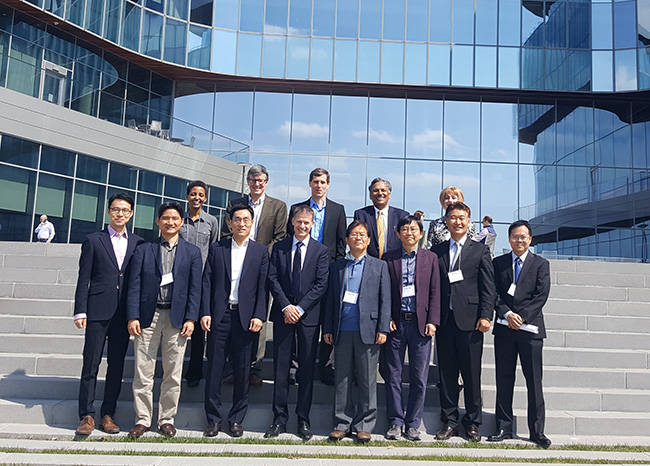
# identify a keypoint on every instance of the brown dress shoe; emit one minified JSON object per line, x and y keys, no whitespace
{"x":167,"y":430}
{"x":138,"y":431}
{"x":108,"y":425}
{"x":255,"y":380}
{"x":473,"y":435}
{"x":86,"y":426}
{"x":363,"y":437}
{"x":336,"y":435}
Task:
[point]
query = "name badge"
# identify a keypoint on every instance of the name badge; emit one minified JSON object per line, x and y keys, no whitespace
{"x":350,"y":297}
{"x":511,"y":290}
{"x":167,"y":279}
{"x":408,"y":291}
{"x":455,"y":276}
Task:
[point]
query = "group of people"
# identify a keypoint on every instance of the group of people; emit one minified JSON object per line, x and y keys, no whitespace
{"x":369,"y":290}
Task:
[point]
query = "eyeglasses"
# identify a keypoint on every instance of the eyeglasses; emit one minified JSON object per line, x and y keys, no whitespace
{"x":256,"y":181}
{"x":414,"y":230}
{"x":519,"y":237}
{"x":116,"y":210}
{"x":358,"y":235}
{"x":243,"y":221}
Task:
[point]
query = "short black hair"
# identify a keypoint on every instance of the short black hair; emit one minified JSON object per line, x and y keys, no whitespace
{"x":170,"y":205}
{"x":195,"y":183}
{"x":238,"y":207}
{"x":407,"y":220}
{"x":520,"y":223}
{"x":122,"y":197}
{"x":458,"y":206}
{"x":354,"y":224}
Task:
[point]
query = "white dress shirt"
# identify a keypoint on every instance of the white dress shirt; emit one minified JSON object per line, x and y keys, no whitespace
{"x":237,"y":255}
{"x":257,"y":211}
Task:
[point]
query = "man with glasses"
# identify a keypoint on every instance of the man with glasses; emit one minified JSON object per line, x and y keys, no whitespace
{"x":523,"y":284}
{"x":100,"y":308}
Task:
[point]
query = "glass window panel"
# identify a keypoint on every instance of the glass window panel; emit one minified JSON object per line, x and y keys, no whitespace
{"x":394,"y":20}
{"x":347,"y":18}
{"x":639,"y":145}
{"x":201,"y":12}
{"x":579,"y":25}
{"x":252,"y":15}
{"x":155,"y":5}
{"x":417,"y":13}
{"x":368,"y":61}
{"x":440,"y":22}
{"x":386,"y":133}
{"x":272,"y":110}
{"x":392,"y":59}
{"x":310,"y":127}
{"x":6,"y":15}
{"x":111,"y":108}
{"x":625,"y":72}
{"x":92,"y":169}
{"x":234,"y":115}
{"x":463,"y":22}
{"x":466,"y":176}
{"x":25,"y":64}
{"x":16,"y":203}
{"x":462,"y":65}
{"x":57,"y":160}
{"x":131,"y":26}
{"x":74,"y":13}
{"x":4,"y":54}
{"x":28,"y":28}
{"x":175,"y":41}
{"x":462,"y":130}
{"x":144,"y":217}
{"x":532,"y":28}
{"x":345,"y":60}
{"x":556,"y":28}
{"x":533,"y":68}
{"x":113,"y":19}
{"x":224,"y":51}
{"x":579,"y":69}
{"x":300,"y":17}
{"x":324,"y":18}
{"x":498,"y":193}
{"x":601,"y":20}
{"x":152,"y":34}
{"x":439,"y":56}
{"x":644,"y":67}
{"x":298,"y":189}
{"x":370,"y":22}
{"x":85,"y":91}
{"x":54,"y":199}
{"x":391,"y":170}
{"x":177,"y":8}
{"x":122,"y":175}
{"x":602,"y":77}
{"x":499,"y":133}
{"x":87,"y":210}
{"x":218,"y":197}
{"x":624,"y":25}
{"x":175,"y":187}
{"x":415,"y":64}
{"x":199,"y":47}
{"x":196,"y":108}
{"x":94,"y":15}
{"x":321,"y":58}
{"x":249,"y":55}
{"x":509,"y":19}
{"x":274,"y":56}
{"x":486,"y":22}
{"x":423,"y":181}
{"x":226,"y":14}
{"x":349,"y":183}
{"x":137,"y":94}
{"x":486,"y":67}
{"x":556,"y":69}
{"x":161,"y":85}
{"x":278,"y":166}
{"x":424,"y":129}
{"x":150,"y":182}
{"x":275,"y":21}
{"x":349,"y":131}
{"x":19,"y":152}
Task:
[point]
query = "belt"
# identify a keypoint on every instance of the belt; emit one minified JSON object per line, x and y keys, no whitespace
{"x":233,"y":307}
{"x":409,"y":316}
{"x":164,"y":306}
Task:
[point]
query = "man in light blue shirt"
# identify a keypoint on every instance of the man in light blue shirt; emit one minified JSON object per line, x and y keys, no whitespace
{"x":44,"y":231}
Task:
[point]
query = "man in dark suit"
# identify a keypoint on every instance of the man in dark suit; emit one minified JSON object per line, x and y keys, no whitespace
{"x":523,"y":284}
{"x":356,"y":322}
{"x":466,"y":308}
{"x":162,"y":306}
{"x":100,"y":308}
{"x":298,"y":280}
{"x":415,"y":312}
{"x":380,"y":218}
{"x":233,"y":308}
{"x":269,"y":227}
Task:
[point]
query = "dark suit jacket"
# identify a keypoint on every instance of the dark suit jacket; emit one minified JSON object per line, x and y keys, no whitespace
{"x":101,"y":284}
{"x":474,"y":296}
{"x":367,"y":215}
{"x":146,"y":275}
{"x":427,"y":287}
{"x":313,"y":281}
{"x":374,"y":299}
{"x":333,"y":229}
{"x":272,"y":225}
{"x":252,"y":283}
{"x":532,"y":291}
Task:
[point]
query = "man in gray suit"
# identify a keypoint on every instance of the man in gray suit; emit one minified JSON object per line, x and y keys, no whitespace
{"x":356,"y":322}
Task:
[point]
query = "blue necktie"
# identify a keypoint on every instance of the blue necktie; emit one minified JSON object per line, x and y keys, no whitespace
{"x":295,"y":272}
{"x":517,"y":269}
{"x":455,"y":249}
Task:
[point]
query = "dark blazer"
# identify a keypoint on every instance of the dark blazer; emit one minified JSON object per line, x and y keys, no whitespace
{"x":252,"y":283}
{"x":272,"y":225}
{"x":313,"y":281}
{"x":474,"y":296}
{"x":333,"y":229}
{"x":374,"y":299}
{"x":427,"y":287}
{"x":146,"y":275}
{"x":101,"y":283}
{"x":367,"y":215}
{"x":531,"y":294}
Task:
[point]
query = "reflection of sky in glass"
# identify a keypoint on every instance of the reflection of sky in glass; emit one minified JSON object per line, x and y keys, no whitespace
{"x":271,"y":111}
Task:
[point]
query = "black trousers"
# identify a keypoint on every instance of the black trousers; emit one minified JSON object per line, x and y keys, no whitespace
{"x":197,"y":344}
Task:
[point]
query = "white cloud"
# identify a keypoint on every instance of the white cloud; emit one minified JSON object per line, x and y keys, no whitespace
{"x":378,"y":136}
{"x":303,"y":130}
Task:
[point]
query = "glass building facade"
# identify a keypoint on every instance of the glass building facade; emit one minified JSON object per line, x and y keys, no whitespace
{"x":535,"y":109}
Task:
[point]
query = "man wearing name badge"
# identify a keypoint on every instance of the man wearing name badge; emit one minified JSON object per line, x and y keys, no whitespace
{"x":415,"y":312}
{"x":381,"y":218}
{"x":523,"y":285}
{"x":200,"y":229}
{"x":298,"y":280}
{"x":233,"y":308}
{"x":100,"y":308}
{"x":466,"y":308}
{"x":163,"y":302}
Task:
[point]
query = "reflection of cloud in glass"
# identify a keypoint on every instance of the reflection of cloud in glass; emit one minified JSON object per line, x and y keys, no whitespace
{"x":432,"y":139}
{"x":467,"y":182}
{"x":303,"y":130}
{"x":295,"y":192}
{"x":301,"y":53}
{"x":423,"y":180}
{"x":378,"y":136}
{"x":625,"y":78}
{"x":273,"y":29}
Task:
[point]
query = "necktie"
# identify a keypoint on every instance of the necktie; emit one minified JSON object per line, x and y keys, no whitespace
{"x":517,"y":269}
{"x":455,"y":253}
{"x":381,"y":235}
{"x":295,"y":272}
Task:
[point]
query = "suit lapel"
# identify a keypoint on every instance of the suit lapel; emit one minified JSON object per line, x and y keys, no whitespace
{"x":421,"y":265}
{"x":373,"y":225}
{"x":157,"y":254}
{"x":288,"y":259}
{"x":180,"y":254}
{"x":130,"y":248}
{"x":342,"y":280}
{"x":227,"y":253}
{"x":445,"y":258}
{"x":105,"y":239}
{"x":398,"y":272}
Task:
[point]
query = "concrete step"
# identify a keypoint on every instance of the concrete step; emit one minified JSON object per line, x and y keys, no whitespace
{"x":43,"y":291}
{"x":601,"y":279}
{"x":40,"y":263}
{"x":39,"y":249}
{"x":37,"y":307}
{"x":589,"y":293}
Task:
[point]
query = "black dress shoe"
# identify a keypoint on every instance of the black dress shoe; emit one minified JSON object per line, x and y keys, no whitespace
{"x":212,"y":430}
{"x":192,"y":383}
{"x":499,"y":436}
{"x":304,"y":432}
{"x":541,"y":440}
{"x":473,"y":434}
{"x":446,"y":433}
{"x":236,"y":430}
{"x":274,"y":431}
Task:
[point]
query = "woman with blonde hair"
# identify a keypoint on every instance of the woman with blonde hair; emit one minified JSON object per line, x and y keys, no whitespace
{"x":438,"y":232}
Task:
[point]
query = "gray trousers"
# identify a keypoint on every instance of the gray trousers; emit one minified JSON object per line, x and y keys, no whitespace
{"x":354,"y":358}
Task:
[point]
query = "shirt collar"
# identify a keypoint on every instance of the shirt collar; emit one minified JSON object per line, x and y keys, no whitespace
{"x":260,"y":201}
{"x":165,"y":243}
{"x":114,"y":234}
{"x":404,"y":253}
{"x":522,"y":257}
{"x":243,"y":245}
{"x":384,"y":210}
{"x":461,"y":241}
{"x":200,"y":219}
{"x":295,"y":240}
{"x":315,"y":206}
{"x":350,"y":257}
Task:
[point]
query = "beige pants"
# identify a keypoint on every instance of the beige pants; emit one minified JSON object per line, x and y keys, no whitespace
{"x":161,"y":334}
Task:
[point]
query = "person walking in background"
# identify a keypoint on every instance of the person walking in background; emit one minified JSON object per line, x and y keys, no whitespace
{"x":45,"y":230}
{"x":488,"y":234}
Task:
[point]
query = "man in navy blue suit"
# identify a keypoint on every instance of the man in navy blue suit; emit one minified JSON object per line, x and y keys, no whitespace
{"x":233,"y":308}
{"x":380,"y":218}
{"x":163,"y":302}
{"x":100,"y":308}
{"x":298,"y":280}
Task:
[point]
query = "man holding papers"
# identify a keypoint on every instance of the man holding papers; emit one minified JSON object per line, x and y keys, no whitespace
{"x":523,"y":283}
